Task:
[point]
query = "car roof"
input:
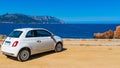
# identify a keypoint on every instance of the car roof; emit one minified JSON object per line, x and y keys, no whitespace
{"x":28,"y":29}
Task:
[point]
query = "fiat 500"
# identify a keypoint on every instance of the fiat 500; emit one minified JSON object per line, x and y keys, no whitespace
{"x":24,"y":42}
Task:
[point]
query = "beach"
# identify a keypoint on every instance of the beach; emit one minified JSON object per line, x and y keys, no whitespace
{"x":77,"y":53}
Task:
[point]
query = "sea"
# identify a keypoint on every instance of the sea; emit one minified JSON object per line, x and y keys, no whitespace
{"x":75,"y":31}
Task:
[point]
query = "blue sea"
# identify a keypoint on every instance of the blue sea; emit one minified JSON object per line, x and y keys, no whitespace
{"x":64,"y":30}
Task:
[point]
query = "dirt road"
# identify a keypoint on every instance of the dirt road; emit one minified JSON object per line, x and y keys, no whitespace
{"x":71,"y":57}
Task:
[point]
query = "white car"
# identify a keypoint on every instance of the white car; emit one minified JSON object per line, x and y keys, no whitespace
{"x":24,"y":42}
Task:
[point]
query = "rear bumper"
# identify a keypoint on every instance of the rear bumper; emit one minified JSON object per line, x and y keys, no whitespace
{"x":9,"y":51}
{"x":10,"y":54}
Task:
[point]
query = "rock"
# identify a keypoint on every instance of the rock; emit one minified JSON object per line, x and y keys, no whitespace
{"x":98,"y":35}
{"x":2,"y":36}
{"x":117,"y":33}
{"x":106,"y":35}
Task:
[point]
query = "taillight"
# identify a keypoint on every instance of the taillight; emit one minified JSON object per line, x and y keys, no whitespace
{"x":15,"y":44}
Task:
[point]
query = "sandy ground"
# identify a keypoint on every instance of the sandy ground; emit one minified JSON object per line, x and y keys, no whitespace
{"x":75,"y":56}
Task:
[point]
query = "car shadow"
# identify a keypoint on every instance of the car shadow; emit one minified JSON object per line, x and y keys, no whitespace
{"x":36,"y":56}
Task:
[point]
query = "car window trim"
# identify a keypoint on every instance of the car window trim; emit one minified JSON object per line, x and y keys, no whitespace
{"x":35,"y":31}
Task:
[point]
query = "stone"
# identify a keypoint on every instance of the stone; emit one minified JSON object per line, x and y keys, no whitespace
{"x":106,"y":35}
{"x":117,"y":33}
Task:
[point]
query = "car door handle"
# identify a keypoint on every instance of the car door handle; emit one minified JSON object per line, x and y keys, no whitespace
{"x":38,"y":41}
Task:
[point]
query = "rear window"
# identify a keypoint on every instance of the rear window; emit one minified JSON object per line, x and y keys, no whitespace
{"x":15,"y":34}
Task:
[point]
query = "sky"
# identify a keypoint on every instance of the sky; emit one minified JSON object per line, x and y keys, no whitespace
{"x":67,"y":10}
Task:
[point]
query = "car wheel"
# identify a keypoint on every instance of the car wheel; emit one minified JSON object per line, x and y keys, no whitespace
{"x":23,"y":55}
{"x":58,"y":47}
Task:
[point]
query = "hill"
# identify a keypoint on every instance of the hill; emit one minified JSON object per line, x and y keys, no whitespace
{"x":21,"y":18}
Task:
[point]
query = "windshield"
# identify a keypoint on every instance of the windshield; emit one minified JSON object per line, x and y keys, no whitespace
{"x":15,"y":34}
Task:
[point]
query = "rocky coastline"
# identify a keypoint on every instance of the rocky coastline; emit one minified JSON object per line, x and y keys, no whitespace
{"x":2,"y":36}
{"x":110,"y":34}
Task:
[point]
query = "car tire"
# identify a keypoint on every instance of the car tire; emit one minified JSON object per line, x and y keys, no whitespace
{"x":23,"y":55}
{"x":58,"y":47}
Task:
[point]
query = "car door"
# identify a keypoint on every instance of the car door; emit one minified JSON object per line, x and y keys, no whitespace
{"x":46,"y":42}
{"x":32,"y":40}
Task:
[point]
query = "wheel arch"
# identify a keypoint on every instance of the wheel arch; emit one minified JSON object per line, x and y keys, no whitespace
{"x":60,"y":43}
{"x":27,"y":48}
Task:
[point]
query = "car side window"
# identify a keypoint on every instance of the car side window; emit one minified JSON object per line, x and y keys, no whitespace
{"x":31,"y":34}
{"x":43,"y":33}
